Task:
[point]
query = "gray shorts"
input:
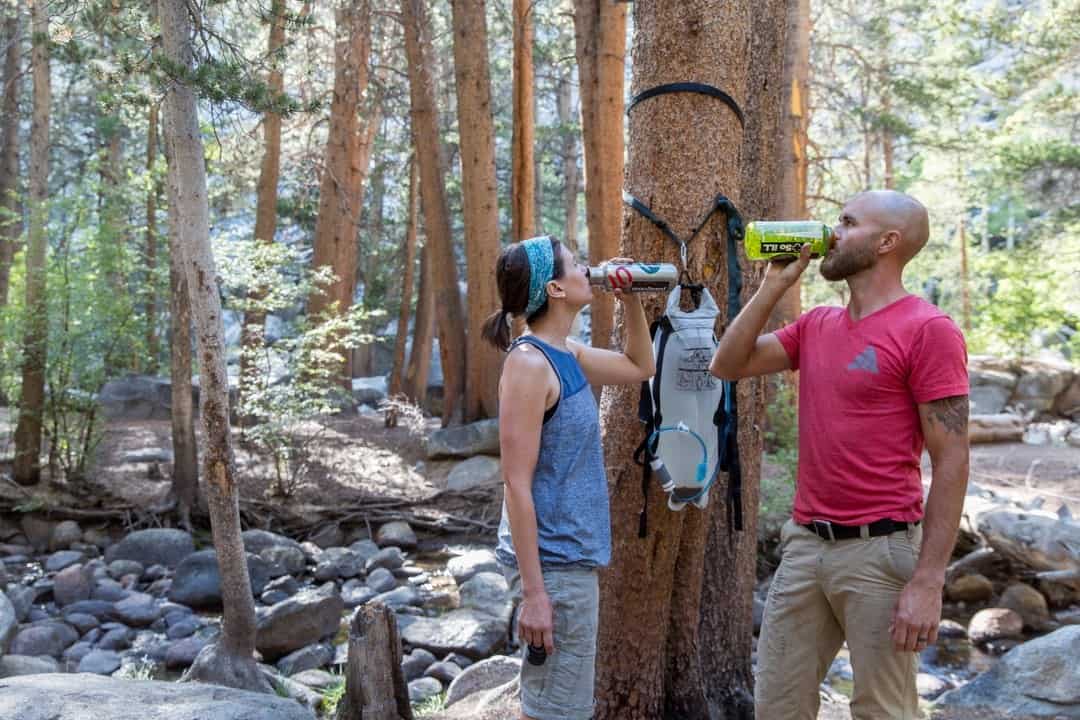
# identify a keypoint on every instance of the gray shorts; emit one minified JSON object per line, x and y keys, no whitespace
{"x":562,"y":688}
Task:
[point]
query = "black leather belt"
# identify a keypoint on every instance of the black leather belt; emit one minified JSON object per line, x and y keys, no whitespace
{"x":831,"y":531}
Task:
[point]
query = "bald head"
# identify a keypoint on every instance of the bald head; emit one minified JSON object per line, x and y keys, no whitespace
{"x":892,"y":210}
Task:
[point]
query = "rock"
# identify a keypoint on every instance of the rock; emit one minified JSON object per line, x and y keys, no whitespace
{"x":290,"y":559}
{"x":116,"y":638}
{"x":197,"y":582}
{"x":1040,"y":384}
{"x":995,"y":624}
{"x":1028,"y":603}
{"x":381,"y":580}
{"x":1073,"y":438}
{"x":16,"y":665}
{"x":119,"y":568}
{"x":308,"y":616}
{"x":1040,"y":540}
{"x":100,"y":609}
{"x":951,"y":629}
{"x":317,"y":679}
{"x":64,"y":535}
{"x":1036,"y":679}
{"x":38,"y":530}
{"x":74,"y":654}
{"x":109,"y":591}
{"x":96,"y":537}
{"x":366,"y":549}
{"x":155,"y":546}
{"x":444,"y":672}
{"x":484,"y":675}
{"x":82,"y":622}
{"x":328,"y":536}
{"x":488,"y":593}
{"x":465,"y":566}
{"x":307,"y":658}
{"x":416,"y":663}
{"x":477,"y":472}
{"x":990,"y":389}
{"x":1067,"y":404}
{"x":390,"y":558}
{"x":460,"y":660}
{"x":997,"y":428}
{"x":185,"y":628}
{"x":182,"y":653}
{"x":255,"y":541}
{"x":969,"y":588}
{"x":21,"y":598}
{"x":139,"y":610}
{"x":930,"y":686}
{"x":47,"y":639}
{"x":479,"y":438}
{"x":285,"y":584}
{"x":338,"y":562}
{"x":423,"y":689}
{"x":8,"y":622}
{"x":57,"y":697}
{"x":398,"y":534}
{"x":369,"y":390}
{"x":355,"y":593}
{"x":137,"y":397}
{"x":62,"y":559}
{"x":72,"y":584}
{"x":399,"y":598}
{"x":99,"y":662}
{"x":473,"y":634}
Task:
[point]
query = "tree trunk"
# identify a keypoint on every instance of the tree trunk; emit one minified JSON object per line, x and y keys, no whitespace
{"x":439,"y":247}
{"x":522,"y":175}
{"x":185,"y":479}
{"x":726,"y":626}
{"x":348,"y":152}
{"x":684,"y":150}
{"x":266,"y":192}
{"x":229,"y":660}
{"x":887,"y":144}
{"x":375,"y":686}
{"x":600,"y":41}
{"x":416,"y":377}
{"x":153,"y":345}
{"x":397,"y":369}
{"x":564,"y":104}
{"x":480,"y":199}
{"x":965,"y":292}
{"x":27,"y":466}
{"x":10,"y":212}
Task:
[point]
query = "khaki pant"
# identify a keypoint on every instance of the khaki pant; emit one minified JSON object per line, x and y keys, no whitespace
{"x":824,"y":593}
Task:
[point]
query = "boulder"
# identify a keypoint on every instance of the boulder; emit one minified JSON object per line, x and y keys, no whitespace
{"x":38,"y":530}
{"x":197,"y":582}
{"x":338,"y":562}
{"x":423,"y":689}
{"x":1039,"y":678}
{"x":443,"y":671}
{"x":64,"y":535}
{"x":182,"y":653}
{"x":311,"y":657}
{"x":317,"y":679}
{"x":416,"y":663}
{"x":488,"y":593}
{"x":381,"y":580}
{"x":397,"y":533}
{"x":308,"y":616}
{"x":62,"y":559}
{"x":990,"y":388}
{"x":73,"y":584}
{"x":465,"y":566}
{"x":156,"y":546}
{"x":139,"y":610}
{"x":369,"y":390}
{"x":1067,"y":404}
{"x":969,"y":588}
{"x":290,"y":559}
{"x":1040,"y":384}
{"x":484,"y":675}
{"x":1036,"y":539}
{"x":117,"y":569}
{"x":471,"y":633}
{"x":995,"y":624}
{"x":8,"y":622}
{"x":137,"y":397}
{"x":50,"y":638}
{"x":390,"y":558}
{"x":477,"y":472}
{"x":996,"y":428}
{"x":99,"y":662}
{"x":1028,"y":603}
{"x":478,"y":438}
{"x":58,"y":697}
{"x":255,"y":541}
{"x":17,"y":665}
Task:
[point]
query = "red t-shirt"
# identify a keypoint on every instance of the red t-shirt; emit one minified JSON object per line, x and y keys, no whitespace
{"x":860,"y":383}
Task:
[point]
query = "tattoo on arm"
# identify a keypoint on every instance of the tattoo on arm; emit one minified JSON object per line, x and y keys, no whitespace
{"x":952,"y":412}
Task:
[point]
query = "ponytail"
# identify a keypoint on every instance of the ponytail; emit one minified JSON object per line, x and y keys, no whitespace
{"x":496,"y":329}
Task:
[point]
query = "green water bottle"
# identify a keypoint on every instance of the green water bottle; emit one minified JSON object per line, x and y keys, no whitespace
{"x":783,"y":239}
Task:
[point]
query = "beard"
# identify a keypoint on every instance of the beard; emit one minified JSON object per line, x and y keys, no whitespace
{"x":842,"y":265}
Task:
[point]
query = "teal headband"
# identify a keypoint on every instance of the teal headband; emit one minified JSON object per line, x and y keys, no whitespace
{"x":541,"y":269}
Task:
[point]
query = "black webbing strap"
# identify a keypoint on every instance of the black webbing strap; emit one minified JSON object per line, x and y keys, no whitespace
{"x":720,"y":202}
{"x":649,"y":415}
{"x":693,"y":87}
{"x":729,"y":449}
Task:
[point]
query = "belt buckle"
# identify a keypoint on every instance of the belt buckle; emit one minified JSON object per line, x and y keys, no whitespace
{"x":828,"y":532}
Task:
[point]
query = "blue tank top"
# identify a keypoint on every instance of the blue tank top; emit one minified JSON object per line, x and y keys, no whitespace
{"x":569,"y":486}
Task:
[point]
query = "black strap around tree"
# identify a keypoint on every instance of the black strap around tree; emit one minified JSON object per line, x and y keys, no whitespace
{"x":693,"y":87}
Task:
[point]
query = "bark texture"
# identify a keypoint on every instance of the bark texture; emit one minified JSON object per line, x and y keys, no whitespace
{"x":439,"y":249}
{"x":600,"y":42}
{"x":684,"y":150}
{"x":230,"y":659}
{"x":27,"y":465}
{"x":150,"y":249}
{"x":375,"y":687}
{"x":10,"y":212}
{"x":408,"y":276}
{"x":348,"y":153}
{"x":480,"y":200}
{"x":523,"y":160}
{"x":266,"y":192}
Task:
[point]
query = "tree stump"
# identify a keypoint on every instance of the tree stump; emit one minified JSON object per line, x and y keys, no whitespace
{"x":375,"y":686}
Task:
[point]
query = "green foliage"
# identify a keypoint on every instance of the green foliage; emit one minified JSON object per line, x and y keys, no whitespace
{"x":430,"y":707}
{"x":331,"y":698}
{"x":781,"y":455}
